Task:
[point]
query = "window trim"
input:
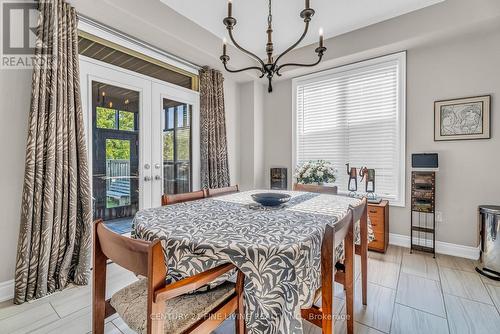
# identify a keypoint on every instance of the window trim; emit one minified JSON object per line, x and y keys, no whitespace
{"x":400,"y":57}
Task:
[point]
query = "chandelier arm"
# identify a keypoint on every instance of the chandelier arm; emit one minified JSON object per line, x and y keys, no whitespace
{"x":278,"y":69}
{"x":243,"y":50}
{"x":244,"y":69}
{"x":294,"y":45}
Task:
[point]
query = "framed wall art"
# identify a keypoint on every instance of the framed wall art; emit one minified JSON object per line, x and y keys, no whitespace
{"x":462,"y":119}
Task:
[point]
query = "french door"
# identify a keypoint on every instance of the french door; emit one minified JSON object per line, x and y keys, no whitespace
{"x":143,"y":139}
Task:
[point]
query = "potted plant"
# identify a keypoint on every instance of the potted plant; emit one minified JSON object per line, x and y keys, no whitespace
{"x":315,"y":172}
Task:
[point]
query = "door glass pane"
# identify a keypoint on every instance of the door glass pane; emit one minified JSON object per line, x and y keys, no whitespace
{"x":115,"y":152}
{"x":117,"y":173}
{"x":176,"y":147}
{"x":127,"y":120}
{"x":106,"y":118}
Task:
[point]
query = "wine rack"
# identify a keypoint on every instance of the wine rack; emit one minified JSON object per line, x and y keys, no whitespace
{"x":423,"y":211}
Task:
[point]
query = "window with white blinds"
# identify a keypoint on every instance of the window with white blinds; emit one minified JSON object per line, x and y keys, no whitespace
{"x":356,"y":114}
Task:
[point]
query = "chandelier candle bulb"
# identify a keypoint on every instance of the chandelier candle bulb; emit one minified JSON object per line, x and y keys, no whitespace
{"x":308,"y":4}
{"x":224,"y":47}
{"x":320,"y":37}
{"x":229,"y":8}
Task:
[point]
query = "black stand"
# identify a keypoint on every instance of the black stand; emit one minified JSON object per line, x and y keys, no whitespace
{"x":423,"y":212}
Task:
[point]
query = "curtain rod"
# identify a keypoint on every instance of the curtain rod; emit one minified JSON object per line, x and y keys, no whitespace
{"x":136,"y":41}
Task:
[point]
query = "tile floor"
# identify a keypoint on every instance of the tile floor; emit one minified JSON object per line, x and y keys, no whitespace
{"x":407,"y":293}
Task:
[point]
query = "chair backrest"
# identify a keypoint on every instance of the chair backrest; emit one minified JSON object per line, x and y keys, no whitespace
{"x":140,"y":257}
{"x":180,"y":198}
{"x":360,"y":210}
{"x":313,"y":188}
{"x":131,"y":254}
{"x":223,"y":191}
{"x":341,"y":228}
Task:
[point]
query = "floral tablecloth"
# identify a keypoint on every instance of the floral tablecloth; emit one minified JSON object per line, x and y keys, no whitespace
{"x":278,"y":249}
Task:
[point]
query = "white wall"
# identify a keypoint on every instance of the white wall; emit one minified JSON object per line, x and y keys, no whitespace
{"x":251,"y":135}
{"x":247,"y":120}
{"x":466,"y":67}
{"x":232,"y":105}
{"x":278,"y":130}
{"x":258,"y":135}
{"x":15,"y":92}
{"x":453,"y":68}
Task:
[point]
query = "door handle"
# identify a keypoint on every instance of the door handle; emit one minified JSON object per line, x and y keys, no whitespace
{"x":147,"y":178}
{"x":157,"y":177}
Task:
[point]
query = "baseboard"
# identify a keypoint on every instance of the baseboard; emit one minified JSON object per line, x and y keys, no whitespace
{"x":6,"y":290}
{"x":441,"y":247}
{"x":399,"y":240}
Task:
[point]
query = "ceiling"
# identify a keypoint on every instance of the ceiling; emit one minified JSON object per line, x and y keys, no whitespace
{"x":336,"y":17}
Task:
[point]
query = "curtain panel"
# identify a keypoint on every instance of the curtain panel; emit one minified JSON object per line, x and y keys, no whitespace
{"x":56,"y":223}
{"x":214,"y":159}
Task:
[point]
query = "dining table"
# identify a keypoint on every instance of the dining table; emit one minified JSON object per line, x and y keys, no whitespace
{"x":277,"y":248}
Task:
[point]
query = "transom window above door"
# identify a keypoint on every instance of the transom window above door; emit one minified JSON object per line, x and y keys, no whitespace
{"x":114,"y":54}
{"x":355,"y":114}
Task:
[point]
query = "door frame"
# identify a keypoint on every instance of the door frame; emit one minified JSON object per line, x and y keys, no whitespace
{"x":152,"y":91}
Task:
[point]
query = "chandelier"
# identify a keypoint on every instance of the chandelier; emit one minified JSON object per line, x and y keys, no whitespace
{"x":272,"y":66}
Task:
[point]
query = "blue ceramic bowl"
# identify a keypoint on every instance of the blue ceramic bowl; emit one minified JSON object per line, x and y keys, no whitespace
{"x":271,"y":199}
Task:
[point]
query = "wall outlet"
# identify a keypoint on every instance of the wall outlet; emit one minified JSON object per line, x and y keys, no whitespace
{"x":439,"y":217}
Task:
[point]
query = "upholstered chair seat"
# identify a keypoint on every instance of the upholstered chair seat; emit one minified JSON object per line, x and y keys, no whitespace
{"x":181,"y":312}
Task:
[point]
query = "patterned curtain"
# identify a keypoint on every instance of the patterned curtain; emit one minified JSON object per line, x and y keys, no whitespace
{"x":55,"y":235}
{"x":214,"y":161}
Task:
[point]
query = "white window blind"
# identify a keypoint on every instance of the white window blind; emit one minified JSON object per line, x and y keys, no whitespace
{"x":355,"y":114}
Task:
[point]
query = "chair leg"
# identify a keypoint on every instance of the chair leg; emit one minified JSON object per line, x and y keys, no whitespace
{"x":364,"y":277}
{"x":155,"y":322}
{"x":327,"y":281}
{"x":240,"y":311}
{"x":349,"y":279}
{"x":364,"y":255}
{"x":156,"y":280}
{"x":98,"y":287}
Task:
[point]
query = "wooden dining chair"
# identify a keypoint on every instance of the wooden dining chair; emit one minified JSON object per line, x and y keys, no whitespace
{"x":313,"y":188}
{"x":212,"y":192}
{"x":185,"y":197}
{"x":151,"y":306}
{"x":323,"y":316}
{"x":360,"y":214}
